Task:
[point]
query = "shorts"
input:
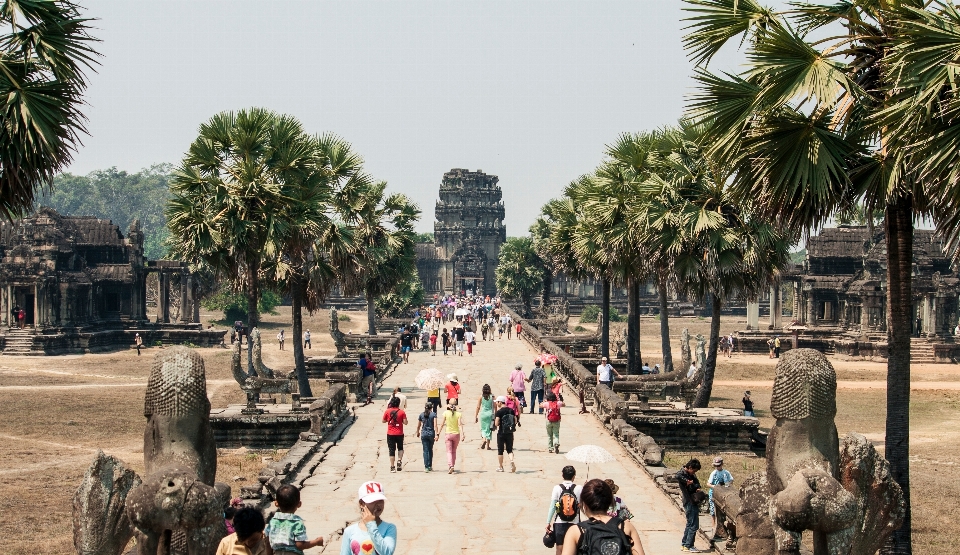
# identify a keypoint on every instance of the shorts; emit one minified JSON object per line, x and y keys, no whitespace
{"x":504,"y":442}
{"x":435,"y":401}
{"x":394,"y":444}
{"x":459,"y":345}
{"x":560,"y":530}
{"x":406,"y":349}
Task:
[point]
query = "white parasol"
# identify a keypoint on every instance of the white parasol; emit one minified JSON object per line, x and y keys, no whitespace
{"x":461,"y":312}
{"x":590,"y":454}
{"x":430,"y":379}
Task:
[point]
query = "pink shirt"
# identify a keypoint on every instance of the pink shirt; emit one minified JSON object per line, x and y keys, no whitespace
{"x":517,"y":378}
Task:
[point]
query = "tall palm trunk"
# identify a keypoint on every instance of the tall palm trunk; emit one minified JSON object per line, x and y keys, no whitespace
{"x":898,"y":225}
{"x":605,"y":321}
{"x":297,"y":294}
{"x":633,"y":326}
{"x":665,"y":325}
{"x":547,"y":288}
{"x":253,"y":296}
{"x":371,"y":315}
{"x":710,"y":367}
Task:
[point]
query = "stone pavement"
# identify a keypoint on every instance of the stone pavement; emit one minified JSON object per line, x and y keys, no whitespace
{"x":475,"y":510}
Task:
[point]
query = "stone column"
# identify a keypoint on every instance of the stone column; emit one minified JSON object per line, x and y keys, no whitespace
{"x":184,"y":307}
{"x":5,"y":306}
{"x":927,"y":324}
{"x":775,"y":307}
{"x":195,"y":299}
{"x":36,"y":306}
{"x":753,"y":315}
{"x":164,"y":308}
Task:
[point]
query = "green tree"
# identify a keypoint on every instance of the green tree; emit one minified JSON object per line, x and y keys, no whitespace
{"x":234,"y":305}
{"x":811,"y":127}
{"x":520,"y":271}
{"x":384,"y":253}
{"x":120,"y":197}
{"x":228,"y":209}
{"x":43,"y":56}
{"x":407,"y":295}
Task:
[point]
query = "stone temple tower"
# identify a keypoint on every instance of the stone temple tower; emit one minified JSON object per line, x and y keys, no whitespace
{"x":468,"y":232}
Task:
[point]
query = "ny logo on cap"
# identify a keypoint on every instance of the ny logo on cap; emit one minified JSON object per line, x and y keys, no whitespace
{"x":374,"y":487}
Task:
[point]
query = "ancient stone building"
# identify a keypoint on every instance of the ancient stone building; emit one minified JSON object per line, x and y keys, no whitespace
{"x":76,"y":277}
{"x":844,"y":279}
{"x":467,"y":235}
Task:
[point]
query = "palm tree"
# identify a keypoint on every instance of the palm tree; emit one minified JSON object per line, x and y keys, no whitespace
{"x":231,"y":195}
{"x":540,"y":236}
{"x":812,"y":127}
{"x":519,"y":271}
{"x":43,"y":58}
{"x":384,"y":253}
{"x":315,"y":247}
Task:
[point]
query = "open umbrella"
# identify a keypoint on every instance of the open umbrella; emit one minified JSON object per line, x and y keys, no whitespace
{"x":588,"y":454}
{"x":461,"y":312}
{"x":430,"y":379}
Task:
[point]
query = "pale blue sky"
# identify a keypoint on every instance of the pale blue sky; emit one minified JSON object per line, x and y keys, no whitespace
{"x":530,"y":91}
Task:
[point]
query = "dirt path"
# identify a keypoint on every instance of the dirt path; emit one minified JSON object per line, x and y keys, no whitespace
{"x":848,"y":384}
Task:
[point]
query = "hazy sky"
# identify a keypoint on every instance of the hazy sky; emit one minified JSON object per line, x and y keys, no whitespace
{"x":530,"y":91}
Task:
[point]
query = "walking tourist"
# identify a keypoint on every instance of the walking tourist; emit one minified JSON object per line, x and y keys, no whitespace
{"x":484,"y":326}
{"x":776,"y":347}
{"x":452,"y":425}
{"x":509,"y":325}
{"x":693,"y":370}
{"x":492,"y":325}
{"x":552,"y":406}
{"x":406,"y":344}
{"x":280,"y":339}
{"x":369,"y":373}
{"x":286,"y":532}
{"x":453,"y":388}
{"x":689,"y":486}
{"x":605,"y":372}
{"x":747,"y":404}
{"x":564,"y":506}
{"x":519,"y":329}
{"x":484,"y":416}
{"x":460,"y":334}
{"x":719,"y":477}
{"x":425,"y":339}
{"x":394,"y":417}
{"x":601,"y":533}
{"x":427,"y":432}
{"x":138,"y":341}
{"x":505,"y":420}
{"x":517,"y":379}
{"x":513,"y":403}
{"x":371,"y":530}
{"x":433,"y":343}
{"x":618,"y":508}
{"x":469,"y":337}
{"x":445,"y":337}
{"x":537,"y":379}
{"x":397,"y":392}
{"x":248,"y":538}
{"x":306,"y":340}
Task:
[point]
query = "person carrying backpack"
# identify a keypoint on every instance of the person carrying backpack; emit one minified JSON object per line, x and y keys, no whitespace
{"x":551,"y":409}
{"x":564,"y":507}
{"x":600,"y":533}
{"x":505,"y":421}
{"x":394,"y":417}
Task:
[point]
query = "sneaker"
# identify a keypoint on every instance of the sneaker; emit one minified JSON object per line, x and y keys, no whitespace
{"x":500,"y":469}
{"x":450,"y":471}
{"x":686,"y":549}
{"x":398,"y":466}
{"x":392,"y":468}
{"x":513,"y":467}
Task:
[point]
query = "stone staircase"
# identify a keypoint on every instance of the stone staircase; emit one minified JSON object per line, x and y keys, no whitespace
{"x":19,"y":342}
{"x":921,"y":351}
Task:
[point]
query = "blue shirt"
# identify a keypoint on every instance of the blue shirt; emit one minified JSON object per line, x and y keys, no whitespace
{"x":379,"y":540}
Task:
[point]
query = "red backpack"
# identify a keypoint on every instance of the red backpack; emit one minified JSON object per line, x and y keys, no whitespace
{"x":553,"y":412}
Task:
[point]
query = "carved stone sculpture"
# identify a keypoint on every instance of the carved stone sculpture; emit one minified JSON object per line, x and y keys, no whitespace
{"x":254,"y":385}
{"x":177,"y":503}
{"x":849,"y":501}
{"x":685,"y":357}
{"x":100,"y":524}
{"x":177,"y":508}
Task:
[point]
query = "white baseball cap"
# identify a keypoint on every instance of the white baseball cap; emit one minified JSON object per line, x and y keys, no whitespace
{"x":501,"y":399}
{"x":370,"y":492}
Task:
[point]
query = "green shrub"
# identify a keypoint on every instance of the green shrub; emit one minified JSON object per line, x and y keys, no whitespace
{"x":344,"y":317}
{"x":234,"y":304}
{"x":579,"y":328}
{"x":590,"y":314}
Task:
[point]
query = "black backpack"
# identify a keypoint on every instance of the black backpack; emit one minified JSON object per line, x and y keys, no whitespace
{"x":599,"y":538}
{"x":508,"y":423}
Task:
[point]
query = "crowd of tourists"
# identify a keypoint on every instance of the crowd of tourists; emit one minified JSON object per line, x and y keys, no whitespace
{"x":587,"y":518}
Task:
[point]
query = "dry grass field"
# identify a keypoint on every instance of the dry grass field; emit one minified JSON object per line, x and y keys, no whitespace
{"x":57,"y":411}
